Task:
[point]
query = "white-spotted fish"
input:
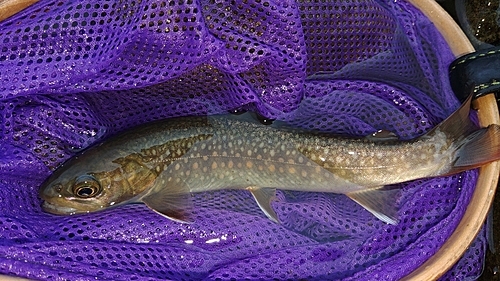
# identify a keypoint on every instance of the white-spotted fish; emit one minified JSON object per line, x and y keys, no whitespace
{"x":160,"y":164}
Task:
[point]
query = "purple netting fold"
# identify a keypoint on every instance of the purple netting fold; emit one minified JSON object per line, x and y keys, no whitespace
{"x":74,"y":72}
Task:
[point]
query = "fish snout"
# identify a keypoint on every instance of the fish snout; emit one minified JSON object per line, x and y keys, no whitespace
{"x":49,"y":190}
{"x":53,"y":201}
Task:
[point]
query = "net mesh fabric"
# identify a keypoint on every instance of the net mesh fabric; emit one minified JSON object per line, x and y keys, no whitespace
{"x":74,"y":72}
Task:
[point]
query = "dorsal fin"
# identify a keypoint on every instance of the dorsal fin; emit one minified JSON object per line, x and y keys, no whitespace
{"x":252,"y":117}
{"x":382,"y":135}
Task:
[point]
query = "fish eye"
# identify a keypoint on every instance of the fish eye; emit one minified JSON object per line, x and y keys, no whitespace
{"x":86,"y":186}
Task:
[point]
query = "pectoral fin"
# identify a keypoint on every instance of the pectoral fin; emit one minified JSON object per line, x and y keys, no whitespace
{"x":170,"y":199}
{"x":381,"y":202}
{"x":264,"y":197}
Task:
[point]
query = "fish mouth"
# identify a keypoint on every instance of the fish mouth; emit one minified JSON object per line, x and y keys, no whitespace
{"x":58,"y":210}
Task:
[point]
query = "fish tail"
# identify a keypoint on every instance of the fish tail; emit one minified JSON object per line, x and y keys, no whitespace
{"x":457,"y":125}
{"x":472,"y":147}
{"x":477,"y":149}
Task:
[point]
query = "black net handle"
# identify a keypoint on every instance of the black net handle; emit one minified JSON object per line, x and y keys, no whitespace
{"x":479,"y":71}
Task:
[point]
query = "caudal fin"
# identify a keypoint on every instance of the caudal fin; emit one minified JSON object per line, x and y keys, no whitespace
{"x":457,"y":125}
{"x":477,"y":149}
{"x":473,"y":147}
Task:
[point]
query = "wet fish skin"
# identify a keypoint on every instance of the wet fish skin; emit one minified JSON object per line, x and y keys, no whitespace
{"x":161,"y":163}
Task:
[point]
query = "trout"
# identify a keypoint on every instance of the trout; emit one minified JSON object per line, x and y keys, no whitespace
{"x":161,"y":163}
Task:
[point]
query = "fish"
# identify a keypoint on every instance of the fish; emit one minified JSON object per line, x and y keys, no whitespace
{"x":162,"y":163}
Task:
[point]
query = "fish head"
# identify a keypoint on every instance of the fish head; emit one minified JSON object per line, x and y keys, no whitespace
{"x":80,"y":186}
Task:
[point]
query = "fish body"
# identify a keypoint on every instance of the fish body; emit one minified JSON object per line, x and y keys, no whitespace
{"x":161,"y":163}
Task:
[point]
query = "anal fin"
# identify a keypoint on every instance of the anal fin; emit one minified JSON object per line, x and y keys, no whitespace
{"x":380,"y":201}
{"x":264,"y":196}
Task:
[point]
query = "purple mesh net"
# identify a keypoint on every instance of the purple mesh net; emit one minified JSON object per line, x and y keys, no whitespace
{"x":73,"y":72}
